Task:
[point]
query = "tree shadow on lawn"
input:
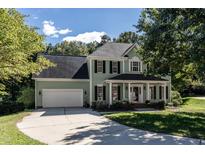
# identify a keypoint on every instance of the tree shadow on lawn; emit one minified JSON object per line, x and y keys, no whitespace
{"x":178,"y":123}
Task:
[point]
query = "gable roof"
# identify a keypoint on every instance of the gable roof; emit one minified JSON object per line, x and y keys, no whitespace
{"x":73,"y":67}
{"x":137,"y":77}
{"x":113,"y":50}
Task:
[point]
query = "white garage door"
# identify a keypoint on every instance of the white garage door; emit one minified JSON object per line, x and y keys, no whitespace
{"x":62,"y":97}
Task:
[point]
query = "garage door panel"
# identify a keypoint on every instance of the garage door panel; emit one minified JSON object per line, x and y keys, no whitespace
{"x":62,"y":98}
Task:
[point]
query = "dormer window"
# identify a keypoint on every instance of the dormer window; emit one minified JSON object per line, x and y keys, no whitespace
{"x":136,"y":66}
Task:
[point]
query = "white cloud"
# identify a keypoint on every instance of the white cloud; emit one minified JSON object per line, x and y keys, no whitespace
{"x":35,"y":17}
{"x":86,"y":37}
{"x":55,"y":36}
{"x":50,"y":30}
{"x":64,"y":31}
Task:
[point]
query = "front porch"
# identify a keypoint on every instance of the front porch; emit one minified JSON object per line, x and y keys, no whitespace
{"x":138,"y":92}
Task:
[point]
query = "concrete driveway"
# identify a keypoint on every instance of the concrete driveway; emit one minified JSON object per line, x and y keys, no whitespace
{"x":84,"y":126}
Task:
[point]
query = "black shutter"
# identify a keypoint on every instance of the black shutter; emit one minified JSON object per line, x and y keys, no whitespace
{"x":95,"y":65}
{"x":154,"y":92}
{"x":96,"y":93}
{"x":104,"y":67}
{"x":160,"y":92}
{"x":118,"y":92}
{"x":118,"y":67}
{"x":167,"y":94}
{"x":104,"y":93}
{"x":111,"y":67}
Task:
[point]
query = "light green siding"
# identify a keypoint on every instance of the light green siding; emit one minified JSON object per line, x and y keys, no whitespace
{"x":60,"y":85}
{"x":132,"y":54}
{"x":97,"y":79}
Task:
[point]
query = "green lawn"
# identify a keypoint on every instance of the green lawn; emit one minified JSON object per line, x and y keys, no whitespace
{"x":193,"y":105}
{"x":9,"y":133}
{"x":188,"y":121}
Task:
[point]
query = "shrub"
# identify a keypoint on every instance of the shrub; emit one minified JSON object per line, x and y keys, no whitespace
{"x":176,"y":98}
{"x":121,"y":105}
{"x":99,"y":106}
{"x":27,"y":97}
{"x":93,"y":106}
{"x":147,"y":101}
{"x":161,"y":105}
{"x":86,"y":104}
{"x":157,"y":105}
{"x":11,"y":107}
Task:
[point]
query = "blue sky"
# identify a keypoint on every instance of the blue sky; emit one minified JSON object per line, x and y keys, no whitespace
{"x":81,"y":24}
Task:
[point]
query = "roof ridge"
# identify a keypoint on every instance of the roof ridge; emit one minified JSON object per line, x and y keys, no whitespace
{"x":63,"y":55}
{"x":130,"y":48}
{"x":119,"y":43}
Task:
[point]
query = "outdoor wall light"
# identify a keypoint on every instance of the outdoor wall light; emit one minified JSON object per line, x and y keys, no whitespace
{"x":39,"y":92}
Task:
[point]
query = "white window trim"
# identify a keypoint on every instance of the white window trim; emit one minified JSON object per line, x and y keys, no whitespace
{"x":99,"y":66}
{"x":99,"y":86}
{"x":130,"y":66}
{"x":114,"y":86}
{"x":115,"y":66}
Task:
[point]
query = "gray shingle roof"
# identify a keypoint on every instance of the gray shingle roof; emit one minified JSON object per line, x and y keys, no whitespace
{"x":67,"y":67}
{"x":114,"y":50}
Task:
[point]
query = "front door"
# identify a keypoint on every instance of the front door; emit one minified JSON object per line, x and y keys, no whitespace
{"x":136,"y":94}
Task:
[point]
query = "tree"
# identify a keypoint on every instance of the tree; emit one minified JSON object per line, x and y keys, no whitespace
{"x":74,"y":48}
{"x":127,"y":37}
{"x":19,"y":45}
{"x":104,"y":39}
{"x":173,"y":41}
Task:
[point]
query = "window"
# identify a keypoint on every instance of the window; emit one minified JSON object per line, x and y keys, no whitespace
{"x":115,"y":92}
{"x":161,"y":92}
{"x":99,"y":66}
{"x":114,"y":66}
{"x":136,"y":66}
{"x":99,"y":93}
{"x":152,"y":92}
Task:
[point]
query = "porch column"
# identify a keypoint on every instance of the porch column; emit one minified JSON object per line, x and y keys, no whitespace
{"x":110,"y":93}
{"x":165,"y":93}
{"x":147,"y":92}
{"x":123,"y":91}
{"x":129,"y":98}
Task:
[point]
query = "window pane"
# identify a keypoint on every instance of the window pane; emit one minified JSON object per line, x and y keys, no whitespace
{"x":114,"y":67}
{"x":114,"y":93}
{"x":99,"y":66}
{"x":100,"y":93}
{"x":136,"y":66}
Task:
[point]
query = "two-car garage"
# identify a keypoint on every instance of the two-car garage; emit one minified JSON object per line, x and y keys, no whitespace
{"x":62,"y":97}
{"x":61,"y":93}
{"x":65,"y":85}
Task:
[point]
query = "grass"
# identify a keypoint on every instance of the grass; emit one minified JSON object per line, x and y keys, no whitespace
{"x":189,"y":121}
{"x":193,"y":105}
{"x":9,"y":133}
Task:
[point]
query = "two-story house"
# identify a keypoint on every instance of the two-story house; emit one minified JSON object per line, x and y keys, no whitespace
{"x":113,"y":72}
